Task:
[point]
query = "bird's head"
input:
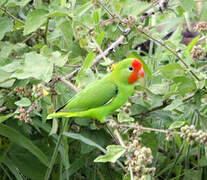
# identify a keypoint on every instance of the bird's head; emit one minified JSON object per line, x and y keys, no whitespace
{"x":129,"y":70}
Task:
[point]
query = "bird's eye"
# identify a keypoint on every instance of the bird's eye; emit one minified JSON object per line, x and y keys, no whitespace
{"x":130,"y":68}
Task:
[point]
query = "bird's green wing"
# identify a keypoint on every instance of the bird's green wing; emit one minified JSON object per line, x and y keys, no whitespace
{"x":96,"y":94}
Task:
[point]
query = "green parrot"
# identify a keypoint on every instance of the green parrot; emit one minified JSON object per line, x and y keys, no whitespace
{"x":104,"y":96}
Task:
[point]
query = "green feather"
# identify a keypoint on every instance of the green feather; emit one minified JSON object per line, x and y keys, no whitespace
{"x":100,"y":98}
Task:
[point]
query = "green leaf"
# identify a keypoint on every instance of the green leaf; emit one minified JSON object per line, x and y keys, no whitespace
{"x":172,"y":70}
{"x":84,"y":140}
{"x":5,"y":117}
{"x":114,"y":152}
{"x":85,"y":75}
{"x":24,"y":102}
{"x":88,"y":62}
{"x":188,"y":5}
{"x":185,"y":84}
{"x":34,"y":20}
{"x":6,"y":25}
{"x":54,"y":127}
{"x":177,"y":124}
{"x":22,"y":141}
{"x":96,"y":16}
{"x":67,"y":32}
{"x":203,"y":14}
{"x":35,"y":66}
{"x":100,"y":37}
{"x":4,"y":75}
{"x":84,"y":8}
{"x":173,"y":105}
{"x":15,"y":171}
{"x":193,"y":43}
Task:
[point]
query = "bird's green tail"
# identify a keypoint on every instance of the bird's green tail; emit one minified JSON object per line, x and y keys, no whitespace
{"x":61,"y":114}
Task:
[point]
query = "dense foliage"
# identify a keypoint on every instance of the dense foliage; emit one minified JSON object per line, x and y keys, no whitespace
{"x":47,"y":49}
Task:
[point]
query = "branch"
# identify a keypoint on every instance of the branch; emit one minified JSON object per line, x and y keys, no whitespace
{"x":46,"y":31}
{"x":69,"y":84}
{"x":99,"y":48}
{"x":165,"y":103}
{"x":118,"y":42}
{"x":169,"y":49}
{"x":160,"y":6}
{"x":29,"y":37}
{"x":11,"y":15}
{"x":148,"y":129}
{"x":121,"y":142}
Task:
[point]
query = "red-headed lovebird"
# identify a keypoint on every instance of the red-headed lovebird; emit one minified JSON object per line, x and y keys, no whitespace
{"x":104,"y":96}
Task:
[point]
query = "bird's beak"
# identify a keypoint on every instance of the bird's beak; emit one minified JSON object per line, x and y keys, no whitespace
{"x":141,"y":73}
{"x":141,"y":77}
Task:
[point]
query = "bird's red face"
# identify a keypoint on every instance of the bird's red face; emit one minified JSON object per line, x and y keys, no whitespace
{"x":137,"y":71}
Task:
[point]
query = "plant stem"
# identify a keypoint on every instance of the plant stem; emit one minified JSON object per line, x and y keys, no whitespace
{"x":11,"y":15}
{"x":55,"y":153}
{"x":46,"y":31}
{"x":171,"y":50}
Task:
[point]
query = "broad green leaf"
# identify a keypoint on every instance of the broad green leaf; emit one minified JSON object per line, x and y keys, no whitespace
{"x":114,"y":152}
{"x":67,"y":32}
{"x":84,"y":8}
{"x":172,"y":70}
{"x":11,"y":67}
{"x":176,"y":37}
{"x":188,"y":5}
{"x":173,"y":105}
{"x":15,"y":171}
{"x":6,"y":25}
{"x":96,"y":16}
{"x":84,"y":140}
{"x":185,"y":84}
{"x":34,"y":20}
{"x":23,"y":3}
{"x":54,"y":127}
{"x":177,"y":124}
{"x":2,"y":2}
{"x":5,"y":117}
{"x":8,"y":83}
{"x":100,"y":37}
{"x":24,"y":102}
{"x":203,"y":14}
{"x":4,"y":75}
{"x":145,"y":66}
{"x":35,"y":66}
{"x":22,"y":141}
{"x":150,"y":139}
{"x":193,"y":43}
{"x":6,"y":48}
{"x":85,"y":74}
{"x":88,"y":62}
{"x":27,"y":163}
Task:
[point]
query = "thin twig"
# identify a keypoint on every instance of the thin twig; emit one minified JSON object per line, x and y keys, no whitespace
{"x":165,"y":103}
{"x":111,"y":14}
{"x":69,"y":84}
{"x":46,"y":31}
{"x":169,"y":49}
{"x":118,"y":42}
{"x":29,"y":37}
{"x":99,"y":48}
{"x":160,"y":6}
{"x":11,"y":15}
{"x":147,"y":129}
{"x":121,"y":142}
